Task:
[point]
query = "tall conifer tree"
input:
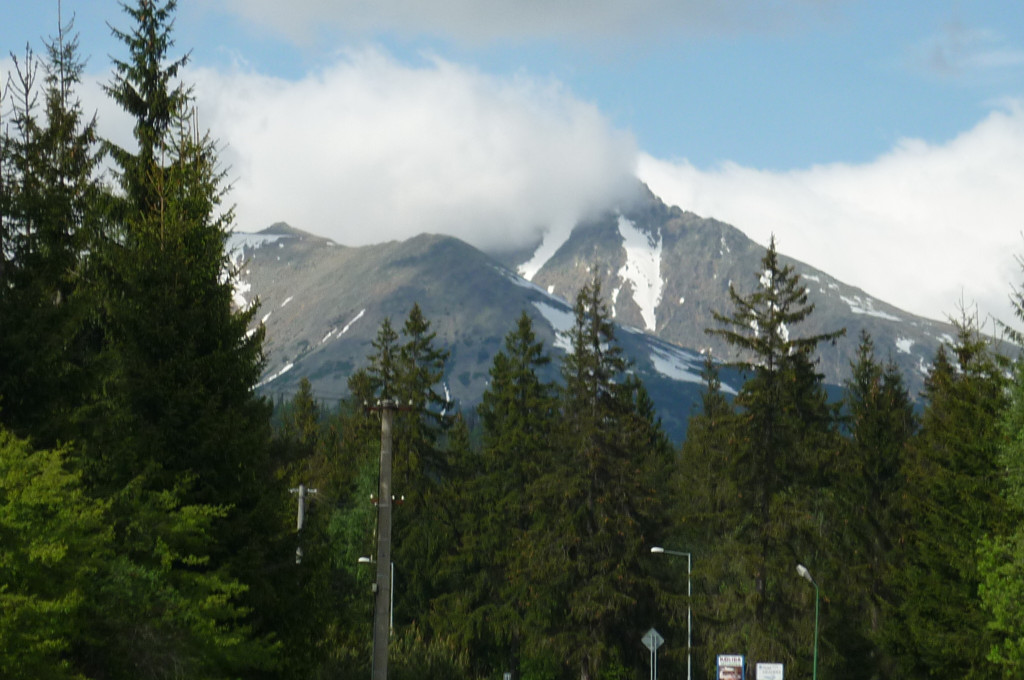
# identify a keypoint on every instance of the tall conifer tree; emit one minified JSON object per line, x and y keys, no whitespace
{"x":1001,"y":551}
{"x":517,"y":412}
{"x":596,"y":507}
{"x":786,"y":437}
{"x":49,"y":217}
{"x":172,"y":431}
{"x":953,"y":499}
{"x":867,"y":527}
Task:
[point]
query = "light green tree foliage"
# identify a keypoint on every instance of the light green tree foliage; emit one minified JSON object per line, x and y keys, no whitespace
{"x":1001,"y":555}
{"x":952,"y":500}
{"x":53,"y":538}
{"x":1001,"y":552}
{"x":785,"y":440}
{"x":583,"y":566}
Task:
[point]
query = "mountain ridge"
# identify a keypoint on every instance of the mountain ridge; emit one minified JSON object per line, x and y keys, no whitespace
{"x":664,"y":272}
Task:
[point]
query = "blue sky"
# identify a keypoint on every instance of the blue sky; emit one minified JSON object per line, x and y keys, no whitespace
{"x":881,"y":141}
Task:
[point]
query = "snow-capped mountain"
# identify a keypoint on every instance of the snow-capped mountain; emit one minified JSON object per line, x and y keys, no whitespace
{"x":667,"y":270}
{"x":663,"y":270}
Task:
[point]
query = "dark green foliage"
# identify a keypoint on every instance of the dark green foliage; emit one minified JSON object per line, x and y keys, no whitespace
{"x":1001,"y":551}
{"x":152,"y":369}
{"x":778,"y":458}
{"x":866,"y":527}
{"x":50,"y":212}
{"x":148,"y":513}
{"x":486,"y":611}
{"x":952,"y":500}
{"x":583,"y":568}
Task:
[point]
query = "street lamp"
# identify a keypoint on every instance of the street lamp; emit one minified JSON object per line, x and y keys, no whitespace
{"x":658,"y":550}
{"x":804,"y":574}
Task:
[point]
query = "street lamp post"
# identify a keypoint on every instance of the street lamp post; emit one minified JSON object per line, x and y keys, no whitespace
{"x":804,"y":574}
{"x":658,"y":550}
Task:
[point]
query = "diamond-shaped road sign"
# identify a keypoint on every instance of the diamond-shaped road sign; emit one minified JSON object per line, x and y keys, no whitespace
{"x":652,"y":639}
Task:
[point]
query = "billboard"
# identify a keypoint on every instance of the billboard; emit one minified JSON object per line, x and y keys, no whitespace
{"x":730,"y":667}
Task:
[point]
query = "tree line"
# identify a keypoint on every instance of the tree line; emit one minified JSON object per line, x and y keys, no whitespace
{"x":147,"y":523}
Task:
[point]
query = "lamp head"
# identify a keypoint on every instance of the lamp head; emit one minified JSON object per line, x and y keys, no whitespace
{"x":804,"y":574}
{"x":657,"y":549}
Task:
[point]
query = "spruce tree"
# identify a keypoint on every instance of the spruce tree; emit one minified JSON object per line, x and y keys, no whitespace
{"x":171,"y":430}
{"x":953,"y":499}
{"x":867,"y":527}
{"x":517,"y":413}
{"x":1001,"y":551}
{"x":709,"y":520}
{"x":584,"y":562}
{"x":50,"y":215}
{"x":786,"y":438}
{"x":55,"y":540}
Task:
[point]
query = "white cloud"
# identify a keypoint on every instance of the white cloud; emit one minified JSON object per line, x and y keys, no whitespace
{"x":370,"y":149}
{"x":923,"y":227}
{"x":963,"y":51}
{"x":476,"y":20}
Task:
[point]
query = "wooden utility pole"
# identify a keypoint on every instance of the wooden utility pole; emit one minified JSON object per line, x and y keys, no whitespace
{"x":382,"y":587}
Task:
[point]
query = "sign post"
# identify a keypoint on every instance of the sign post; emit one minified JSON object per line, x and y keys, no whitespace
{"x":652,"y":640}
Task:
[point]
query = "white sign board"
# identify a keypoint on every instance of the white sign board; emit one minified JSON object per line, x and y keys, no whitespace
{"x":730,"y":667}
{"x":769,"y":671}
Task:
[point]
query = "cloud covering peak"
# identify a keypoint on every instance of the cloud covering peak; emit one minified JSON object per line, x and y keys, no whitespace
{"x":924,"y":226}
{"x":370,"y":149}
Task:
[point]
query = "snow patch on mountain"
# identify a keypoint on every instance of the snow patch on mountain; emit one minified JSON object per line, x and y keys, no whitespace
{"x":240,"y":289}
{"x":903,"y":345}
{"x":275,"y":376}
{"x":866,"y":306}
{"x":334,"y":333}
{"x":235,"y":247}
{"x":675,"y":365}
{"x":549,"y":245}
{"x":561,"y":320}
{"x":642,"y":269}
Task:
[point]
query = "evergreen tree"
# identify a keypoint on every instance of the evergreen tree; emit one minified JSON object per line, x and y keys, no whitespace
{"x":785,"y":440}
{"x":54,"y":542}
{"x":425,"y":520}
{"x":866,"y":530}
{"x":407,"y":370}
{"x":710,"y":518}
{"x":49,"y":216}
{"x":171,"y":430}
{"x":517,"y":414}
{"x":583,"y":565}
{"x":953,"y":500}
{"x":1001,"y":552}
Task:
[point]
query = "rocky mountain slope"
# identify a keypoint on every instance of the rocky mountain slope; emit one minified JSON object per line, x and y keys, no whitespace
{"x":663,"y":269}
{"x":667,"y":270}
